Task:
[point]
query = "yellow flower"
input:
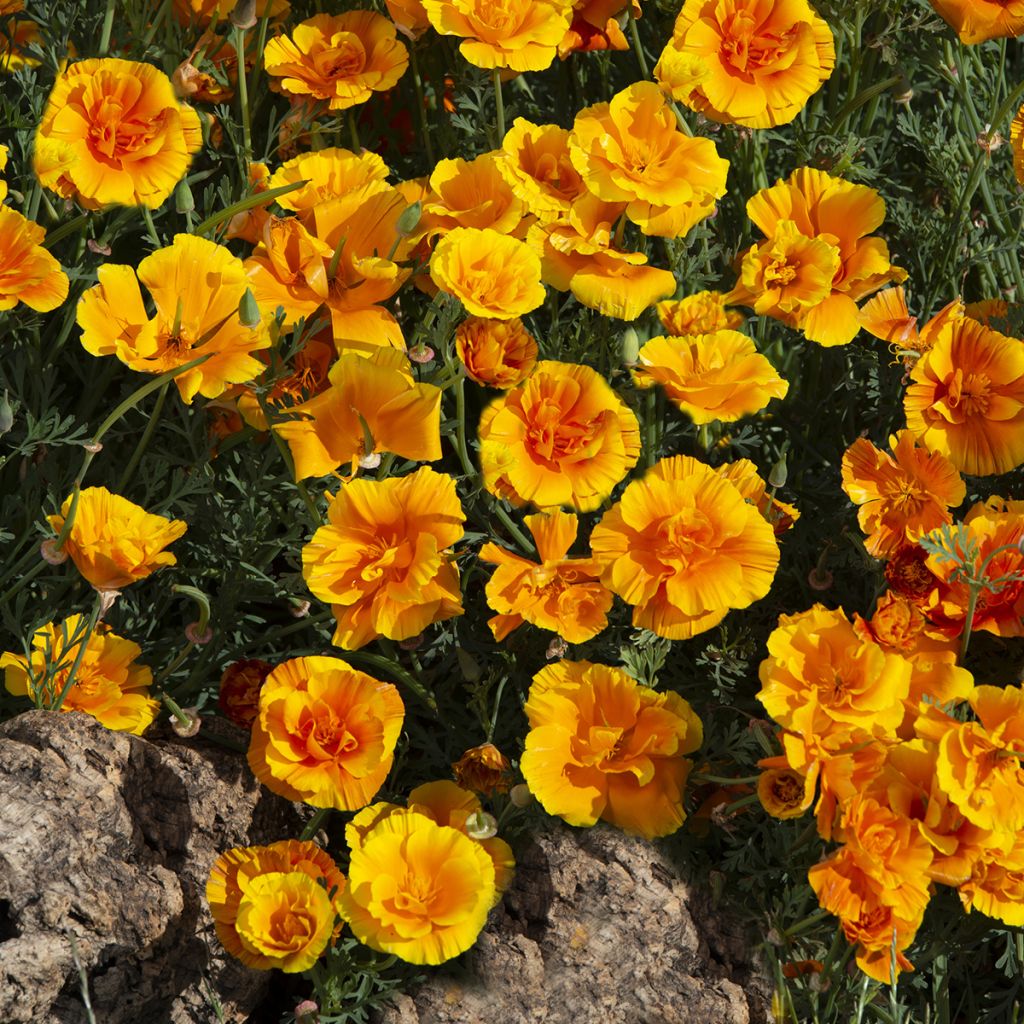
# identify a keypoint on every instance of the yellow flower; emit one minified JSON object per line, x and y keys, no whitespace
{"x":497,"y":353}
{"x":372,"y":405}
{"x":118,"y":134}
{"x":202,"y":12}
{"x":996,"y":884}
{"x":1017,"y":145}
{"x":196,"y":287}
{"x":16,"y":36}
{"x":783,"y":793}
{"x":601,"y":746}
{"x":560,"y":593}
{"x":683,"y":547}
{"x":491,"y":274}
{"x":109,"y":684}
{"x":966,"y":399}
{"x":702,"y":313}
{"x":632,"y":151}
{"x":417,"y":889}
{"x":539,"y":169}
{"x":329,"y":174}
{"x":975,"y":21}
{"x":275,"y":906}
{"x":342,"y":59}
{"x":470,"y":194}
{"x":748,"y":62}
{"x":522,"y":35}
{"x":28,"y":273}
{"x":561,"y":438}
{"x":326,"y":733}
{"x":409,"y":16}
{"x":114,"y":542}
{"x":382,"y":560}
{"x":719,"y":376}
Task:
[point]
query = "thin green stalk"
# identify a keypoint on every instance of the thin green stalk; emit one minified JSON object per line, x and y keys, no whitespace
{"x":67,"y":228}
{"x":140,"y":448}
{"x":421,"y":104}
{"x":314,"y":823}
{"x":256,"y":199}
{"x":390,"y":666}
{"x":353,"y":130}
{"x":497,"y":707}
{"x":147,"y":216}
{"x":286,"y":456}
{"x":97,"y":606}
{"x":638,"y":47}
{"x":650,"y":427}
{"x":108,"y":26}
{"x":238,"y":40}
{"x":499,"y":103}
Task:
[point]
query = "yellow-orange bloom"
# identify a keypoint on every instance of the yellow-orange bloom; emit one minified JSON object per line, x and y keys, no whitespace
{"x":373,"y":405}
{"x":702,"y":313}
{"x":418,"y":889}
{"x":683,"y":547}
{"x":329,"y":174}
{"x":902,"y":496}
{"x":276,"y":906}
{"x":979,"y":762}
{"x":719,"y":376}
{"x":340,"y":59}
{"x":202,"y":12}
{"x":470,"y":194}
{"x":597,"y":25}
{"x":966,"y":399}
{"x":821,"y":677}
{"x":760,"y":60}
{"x":28,"y":273}
{"x":109,"y":684}
{"x":326,"y":733}
{"x":409,"y":16}
{"x":538,"y":167}
{"x":522,"y":35}
{"x":560,"y":593}
{"x":1017,"y":144}
{"x":996,"y":884}
{"x":832,"y":213}
{"x":491,"y":274}
{"x":196,"y":287}
{"x":114,"y":132}
{"x":16,"y":36}
{"x":632,"y":151}
{"x":382,"y":560}
{"x":887,"y":317}
{"x":978,"y":20}
{"x":483,"y":769}
{"x":601,"y":746}
{"x":114,"y":542}
{"x":561,"y":438}
{"x":783,"y":793}
{"x":497,"y":353}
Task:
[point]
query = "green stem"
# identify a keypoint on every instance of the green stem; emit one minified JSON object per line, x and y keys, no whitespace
{"x":147,"y":436}
{"x":238,"y":40}
{"x":353,"y":130}
{"x":147,"y":216}
{"x":93,"y":619}
{"x":175,"y":709}
{"x":497,"y":707}
{"x":638,"y":47}
{"x":108,"y":26}
{"x":421,"y":103}
{"x":499,"y":104}
{"x":651,"y":427}
{"x":314,"y":823}
{"x":65,"y":229}
{"x":977,"y":584}
{"x":391,"y":667}
{"x":256,"y":199}
{"x":286,"y":456}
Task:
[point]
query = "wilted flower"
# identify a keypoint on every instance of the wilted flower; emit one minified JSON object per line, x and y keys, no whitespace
{"x":114,"y":542}
{"x":114,"y":132}
{"x":239,"y":694}
{"x":601,"y":746}
{"x":483,"y":769}
{"x":109,"y":683}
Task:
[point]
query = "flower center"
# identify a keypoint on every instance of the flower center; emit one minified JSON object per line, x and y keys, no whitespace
{"x":969,"y":393}
{"x":345,"y":59}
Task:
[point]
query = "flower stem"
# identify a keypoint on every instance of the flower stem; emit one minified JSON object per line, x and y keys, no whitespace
{"x":243,"y":96}
{"x":421,"y":104}
{"x":140,"y":448}
{"x":638,"y":47}
{"x":314,"y":823}
{"x":93,"y":619}
{"x":499,"y":104}
{"x":108,"y":25}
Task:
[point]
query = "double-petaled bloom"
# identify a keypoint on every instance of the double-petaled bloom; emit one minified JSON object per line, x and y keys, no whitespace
{"x":28,"y":273}
{"x":497,"y":353}
{"x":603,"y":747}
{"x":339,"y":60}
{"x":196,"y":287}
{"x":325,"y":733}
{"x":383,"y":560}
{"x":683,"y":547}
{"x":561,"y":438}
{"x":749,"y":62}
{"x":702,"y":313}
{"x":113,"y":132}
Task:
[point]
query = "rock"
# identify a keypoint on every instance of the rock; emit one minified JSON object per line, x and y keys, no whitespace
{"x":598,"y":928}
{"x":106,"y":841}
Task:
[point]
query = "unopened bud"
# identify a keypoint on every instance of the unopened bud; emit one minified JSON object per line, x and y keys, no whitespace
{"x":520,"y":795}
{"x":630,"y":346}
{"x":244,"y":14}
{"x":195,"y":635}
{"x":184,"y":201}
{"x":248,"y":311}
{"x":481,"y":825}
{"x":777,"y":477}
{"x":409,"y":219}
{"x":468,"y":665}
{"x":52,"y":554}
{"x":188,"y":724}
{"x":6,"y":414}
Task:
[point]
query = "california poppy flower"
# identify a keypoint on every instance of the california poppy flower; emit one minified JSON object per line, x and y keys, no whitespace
{"x":701,"y":313}
{"x":538,"y":167}
{"x":978,"y":20}
{"x":496,"y":353}
{"x":329,"y":174}
{"x":597,"y":25}
{"x":28,"y":273}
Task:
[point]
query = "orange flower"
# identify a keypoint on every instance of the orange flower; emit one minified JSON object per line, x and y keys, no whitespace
{"x":632,"y":151}
{"x":196,"y":287}
{"x":497,"y":353}
{"x":340,"y":59}
{"x":597,"y":25}
{"x":702,"y":313}
{"x":417,"y":889}
{"x":329,"y":174}
{"x":979,"y":762}
{"x":538,"y":167}
{"x":109,"y":684}
{"x":821,"y":677}
{"x":978,"y":20}
{"x":560,"y":593}
{"x":901,"y":497}
{"x":561,"y":438}
{"x":683,"y":548}
{"x":761,"y":59}
{"x":275,"y":906}
{"x":116,"y":133}
{"x":382,"y":559}
{"x":887,"y":317}
{"x":719,"y":376}
{"x":114,"y":542}
{"x":601,"y":746}
{"x":372,"y":405}
{"x":409,"y":16}
{"x":491,"y":274}
{"x":239,"y":694}
{"x":835,"y":214}
{"x":522,"y":35}
{"x":484,"y":769}
{"x":470,"y":194}
{"x":966,"y":399}
{"x":28,"y":273}
{"x":784,"y":793}
{"x":326,"y":733}
{"x":16,"y":36}
{"x":996,"y":884}
{"x":201,"y":12}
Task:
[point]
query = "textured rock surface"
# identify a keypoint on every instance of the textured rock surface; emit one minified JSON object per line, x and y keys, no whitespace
{"x":106,"y":841}
{"x":598,"y":928}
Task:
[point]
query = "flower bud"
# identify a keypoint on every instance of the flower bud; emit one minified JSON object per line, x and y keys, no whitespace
{"x":520,"y":795}
{"x":630,"y":346}
{"x":779,"y":473}
{"x":6,"y":415}
{"x":481,"y":825}
{"x":244,"y":14}
{"x":409,"y":219}
{"x":248,"y":311}
{"x":468,"y":666}
{"x":184,"y":201}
